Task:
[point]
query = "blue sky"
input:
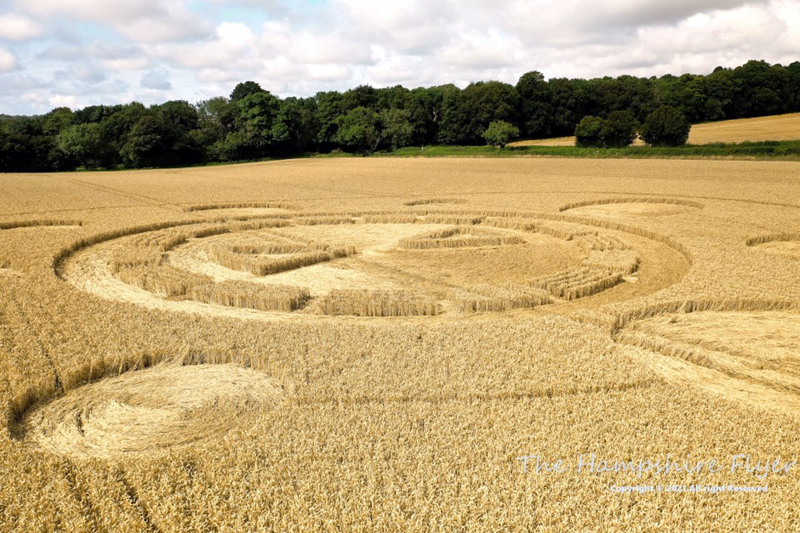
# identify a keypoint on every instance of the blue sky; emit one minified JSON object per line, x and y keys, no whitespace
{"x":84,"y":52}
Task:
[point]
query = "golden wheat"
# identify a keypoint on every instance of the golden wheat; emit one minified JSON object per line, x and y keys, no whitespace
{"x":395,"y":389}
{"x":458,"y":237}
{"x":250,"y":296}
{"x":376,"y":303}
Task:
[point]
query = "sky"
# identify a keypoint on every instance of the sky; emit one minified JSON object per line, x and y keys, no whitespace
{"x":77,"y":53}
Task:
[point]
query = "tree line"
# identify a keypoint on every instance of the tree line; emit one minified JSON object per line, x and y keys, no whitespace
{"x":254,"y":124}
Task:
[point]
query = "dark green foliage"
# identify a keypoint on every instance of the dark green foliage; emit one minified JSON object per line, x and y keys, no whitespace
{"x":536,"y":107}
{"x":145,"y":143}
{"x":589,"y":131}
{"x":83,"y":144}
{"x":620,"y":129}
{"x":330,"y":107}
{"x":360,"y":130}
{"x":164,"y":136}
{"x":500,"y":133}
{"x":257,"y":115}
{"x":216,"y":118}
{"x":245,"y":89}
{"x":295,"y":125}
{"x":397,"y":128}
{"x":467,"y":114}
{"x":616,"y":131}
{"x":666,"y":126}
{"x":364,"y":130}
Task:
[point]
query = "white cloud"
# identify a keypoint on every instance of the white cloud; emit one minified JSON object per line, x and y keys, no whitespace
{"x":189,"y":49}
{"x":7,"y":61}
{"x":126,"y":65}
{"x":140,"y":21}
{"x":33,"y":97}
{"x":18,"y":28}
{"x":59,"y":100}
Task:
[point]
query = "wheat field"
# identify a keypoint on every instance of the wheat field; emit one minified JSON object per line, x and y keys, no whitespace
{"x":771,"y":128}
{"x":369,"y":344}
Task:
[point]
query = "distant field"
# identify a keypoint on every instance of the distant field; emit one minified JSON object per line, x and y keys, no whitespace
{"x":774,"y":128}
{"x":373,"y":344}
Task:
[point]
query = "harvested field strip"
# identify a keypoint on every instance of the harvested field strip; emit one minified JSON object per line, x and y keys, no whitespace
{"x":239,"y":205}
{"x":487,"y":298}
{"x":646,"y":200}
{"x":448,"y":219}
{"x":39,"y":224}
{"x":580,"y":283}
{"x":519,"y":224}
{"x":320,"y":221}
{"x":773,"y":238}
{"x":377,"y":303}
{"x":268,"y":248}
{"x":696,"y":306}
{"x":625,"y":262}
{"x":598,"y":242}
{"x":389,"y":219}
{"x":426,"y":201}
{"x":263,"y":266}
{"x":163,"y":280}
{"x":566,"y":233}
{"x":458,"y":237}
{"x":246,"y":295}
{"x":123,"y":258}
{"x":247,"y":224}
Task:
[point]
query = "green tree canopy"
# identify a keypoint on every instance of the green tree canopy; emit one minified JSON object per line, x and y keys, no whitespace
{"x":245,"y":89}
{"x":666,"y":126}
{"x":360,"y":129}
{"x":500,"y":133}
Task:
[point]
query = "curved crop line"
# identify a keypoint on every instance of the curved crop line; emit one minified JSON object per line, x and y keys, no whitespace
{"x":607,"y":201}
{"x":779,"y":237}
{"x":694,"y":306}
{"x":64,"y":253}
{"x":427,"y":201}
{"x":39,"y":223}
{"x":238,"y":205}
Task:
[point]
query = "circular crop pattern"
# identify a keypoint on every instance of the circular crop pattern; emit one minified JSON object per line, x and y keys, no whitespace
{"x":370,"y":264}
{"x":631,"y":207}
{"x":148,"y":410}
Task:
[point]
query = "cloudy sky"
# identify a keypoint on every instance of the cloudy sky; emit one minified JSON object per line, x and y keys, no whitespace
{"x":83,"y":52}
